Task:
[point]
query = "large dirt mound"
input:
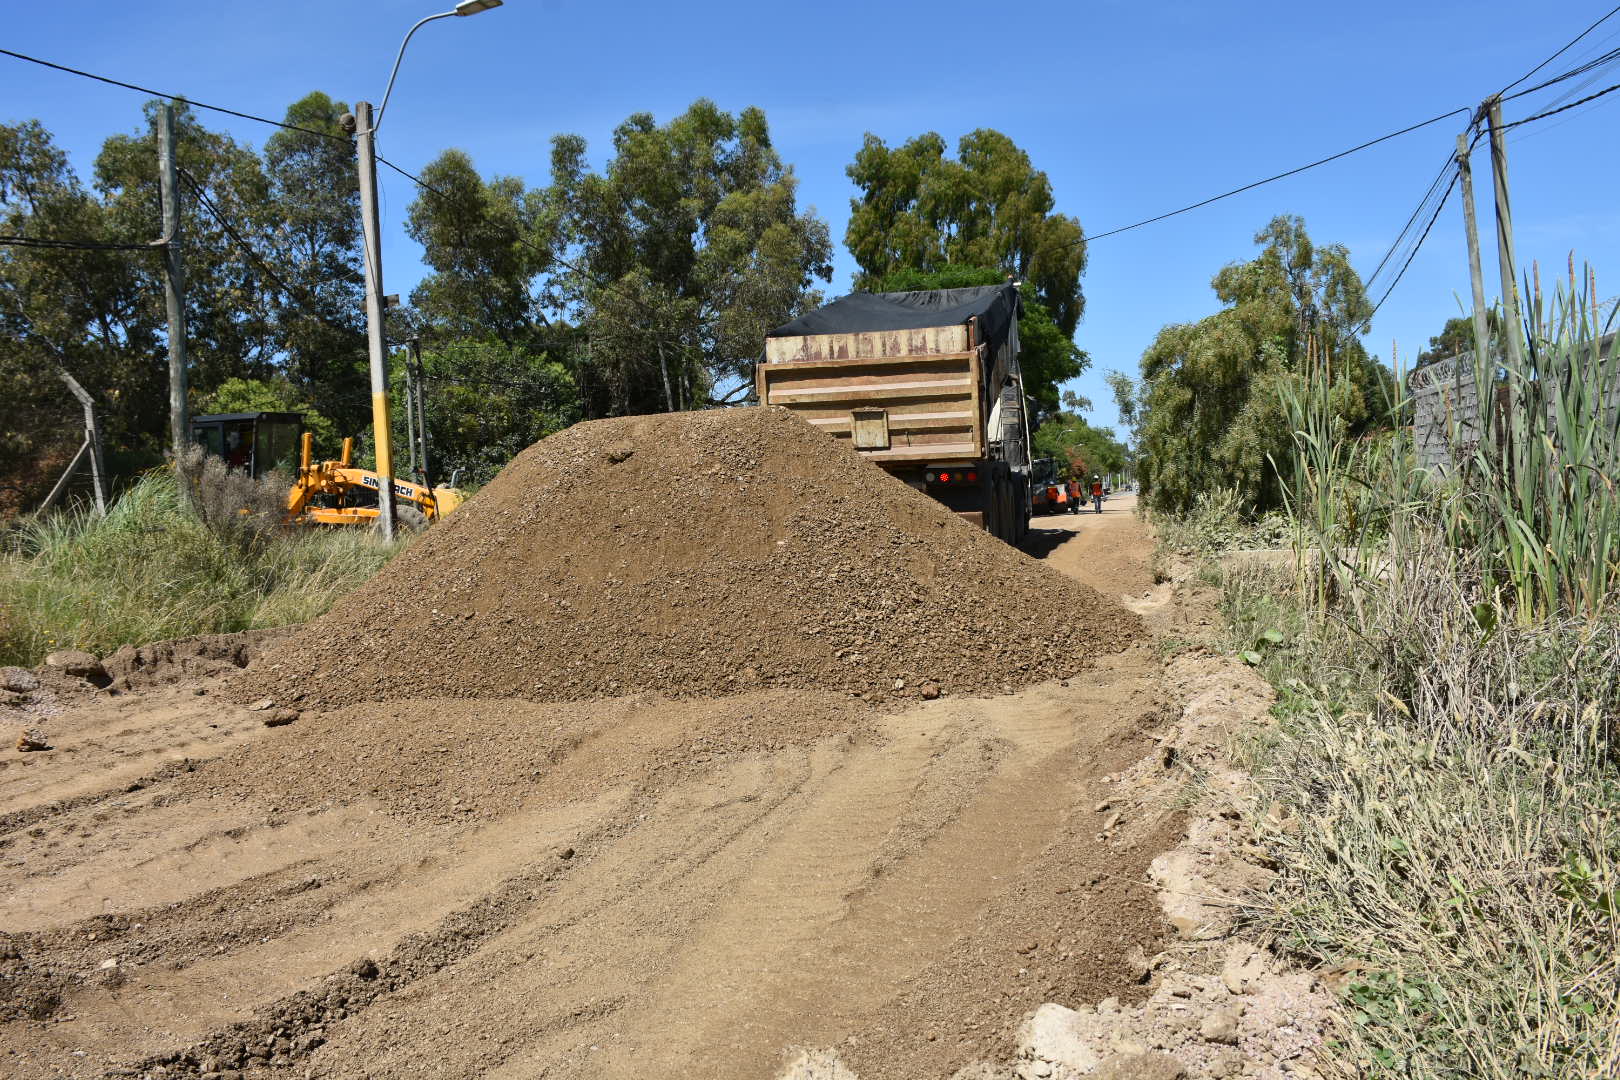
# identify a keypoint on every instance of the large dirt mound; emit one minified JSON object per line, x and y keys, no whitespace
{"x":695,"y":553}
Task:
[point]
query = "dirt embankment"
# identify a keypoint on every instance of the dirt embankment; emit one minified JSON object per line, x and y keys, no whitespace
{"x":692,"y":554}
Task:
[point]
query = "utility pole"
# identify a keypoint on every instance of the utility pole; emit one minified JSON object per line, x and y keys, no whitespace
{"x":174,"y":285}
{"x":410,"y":419}
{"x":1504,"y":235}
{"x":381,"y":438}
{"x":421,"y":407}
{"x":1482,"y":344}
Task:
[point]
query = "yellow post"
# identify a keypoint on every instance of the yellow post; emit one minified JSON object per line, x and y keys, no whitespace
{"x":348,"y":450}
{"x":382,"y":433}
{"x":306,"y":451}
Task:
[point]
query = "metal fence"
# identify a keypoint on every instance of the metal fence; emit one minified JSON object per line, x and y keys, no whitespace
{"x":1448,"y":419}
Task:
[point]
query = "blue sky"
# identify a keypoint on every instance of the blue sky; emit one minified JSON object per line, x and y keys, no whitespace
{"x":1131,"y":109}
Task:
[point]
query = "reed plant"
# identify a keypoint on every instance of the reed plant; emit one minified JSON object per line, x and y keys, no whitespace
{"x":1449,"y":679}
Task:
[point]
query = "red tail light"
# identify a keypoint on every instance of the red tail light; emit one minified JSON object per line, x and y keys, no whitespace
{"x":972,"y":477}
{"x":944,"y":477}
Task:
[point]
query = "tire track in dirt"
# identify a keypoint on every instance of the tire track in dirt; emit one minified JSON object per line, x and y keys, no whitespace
{"x":732,"y":888}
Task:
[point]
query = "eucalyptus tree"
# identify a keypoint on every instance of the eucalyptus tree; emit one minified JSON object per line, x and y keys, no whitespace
{"x":313,"y":236}
{"x":681,"y":253}
{"x":1210,"y":407}
{"x":989,"y":206}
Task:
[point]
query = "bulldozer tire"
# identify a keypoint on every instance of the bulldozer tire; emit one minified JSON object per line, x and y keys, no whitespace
{"x":409,"y":519}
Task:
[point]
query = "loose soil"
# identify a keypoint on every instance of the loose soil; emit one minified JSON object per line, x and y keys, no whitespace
{"x":688,"y":554}
{"x":690,"y":873}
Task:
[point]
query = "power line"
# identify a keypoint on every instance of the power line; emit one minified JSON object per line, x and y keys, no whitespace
{"x":1417,"y":212}
{"x":1580,"y":69}
{"x":1591,"y":65}
{"x":1279,"y":176}
{"x":72,"y":245}
{"x":169,"y":97}
{"x":297,"y":295}
{"x":1452,"y":165}
{"x":1569,"y":45}
{"x":1478,"y":136}
{"x":1563,"y":108}
{"x":1415,"y":249}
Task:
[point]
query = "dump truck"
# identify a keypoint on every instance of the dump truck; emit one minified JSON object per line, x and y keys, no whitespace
{"x":925,"y":384}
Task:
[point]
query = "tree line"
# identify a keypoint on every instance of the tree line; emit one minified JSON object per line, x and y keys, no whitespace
{"x":646,"y":285}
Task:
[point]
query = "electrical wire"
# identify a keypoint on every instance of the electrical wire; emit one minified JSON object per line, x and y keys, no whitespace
{"x":1367,"y":323}
{"x":1434,"y":186}
{"x":1278,"y":176}
{"x":171,"y":97}
{"x":298,"y":296}
{"x":1521,"y":136}
{"x":1451,"y":165}
{"x":1580,"y":69}
{"x":1562,"y":108}
{"x":73,"y":245}
{"x":1571,"y":44}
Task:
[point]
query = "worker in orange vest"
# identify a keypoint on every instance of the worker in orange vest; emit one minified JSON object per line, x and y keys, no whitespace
{"x":1097,"y":491}
{"x":1076,"y":496}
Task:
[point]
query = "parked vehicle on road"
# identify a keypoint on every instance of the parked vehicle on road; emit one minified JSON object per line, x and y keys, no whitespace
{"x":925,"y":384}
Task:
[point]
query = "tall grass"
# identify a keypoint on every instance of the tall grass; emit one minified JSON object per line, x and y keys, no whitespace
{"x":1450,"y":685}
{"x":152,"y":569}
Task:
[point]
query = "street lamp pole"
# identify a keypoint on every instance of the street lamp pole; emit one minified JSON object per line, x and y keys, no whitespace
{"x":365,"y":129}
{"x":376,"y":345}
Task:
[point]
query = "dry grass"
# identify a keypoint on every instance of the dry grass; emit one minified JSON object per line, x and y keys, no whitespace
{"x":242,"y":510}
{"x":1447,"y":655}
{"x":1458,"y":855}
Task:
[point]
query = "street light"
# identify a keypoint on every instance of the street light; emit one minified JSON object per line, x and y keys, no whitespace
{"x":365,"y":129}
{"x":463,"y":9}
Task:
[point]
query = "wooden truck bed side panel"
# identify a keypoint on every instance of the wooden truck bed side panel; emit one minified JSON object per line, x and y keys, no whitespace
{"x":868,"y":345}
{"x":930,"y":399}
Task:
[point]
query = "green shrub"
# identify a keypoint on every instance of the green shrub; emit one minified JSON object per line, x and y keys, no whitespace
{"x":1221,"y":520}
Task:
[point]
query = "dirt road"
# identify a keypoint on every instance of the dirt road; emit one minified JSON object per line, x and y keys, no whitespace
{"x":635,"y":888}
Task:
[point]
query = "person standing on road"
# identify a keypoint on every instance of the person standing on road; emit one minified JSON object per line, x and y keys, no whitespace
{"x":1097,"y":491}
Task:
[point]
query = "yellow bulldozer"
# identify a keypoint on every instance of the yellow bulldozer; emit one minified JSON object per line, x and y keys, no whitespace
{"x":324,"y":492}
{"x":336,"y":493}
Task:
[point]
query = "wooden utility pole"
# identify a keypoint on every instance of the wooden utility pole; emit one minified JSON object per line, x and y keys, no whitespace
{"x":421,"y":407}
{"x":382,"y":439}
{"x":174,"y":286}
{"x":1482,"y":341}
{"x":1504,"y":235}
{"x":410,"y":417}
